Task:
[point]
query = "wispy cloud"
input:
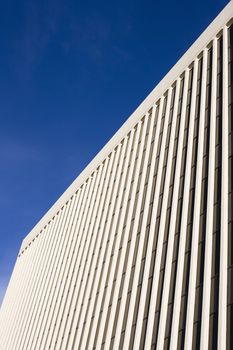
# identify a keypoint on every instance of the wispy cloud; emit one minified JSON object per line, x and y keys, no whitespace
{"x":15,"y":152}
{"x":53,"y":22}
{"x":41,"y":23}
{"x":89,"y":35}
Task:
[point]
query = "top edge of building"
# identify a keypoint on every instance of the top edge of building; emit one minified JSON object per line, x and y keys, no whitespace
{"x":183,"y":63}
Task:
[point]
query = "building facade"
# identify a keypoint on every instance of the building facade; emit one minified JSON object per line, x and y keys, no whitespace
{"x":138,"y":252}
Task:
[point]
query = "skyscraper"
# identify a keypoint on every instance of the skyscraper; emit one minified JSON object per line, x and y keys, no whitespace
{"x":138,"y":252}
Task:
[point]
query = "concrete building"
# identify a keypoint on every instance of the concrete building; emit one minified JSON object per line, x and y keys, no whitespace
{"x":138,"y":252}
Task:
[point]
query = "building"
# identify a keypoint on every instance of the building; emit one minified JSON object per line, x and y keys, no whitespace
{"x":138,"y":252}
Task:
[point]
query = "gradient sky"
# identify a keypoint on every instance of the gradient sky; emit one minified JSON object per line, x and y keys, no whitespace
{"x":71,"y":74}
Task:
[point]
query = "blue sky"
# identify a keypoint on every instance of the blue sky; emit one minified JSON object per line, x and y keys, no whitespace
{"x":71,"y":74}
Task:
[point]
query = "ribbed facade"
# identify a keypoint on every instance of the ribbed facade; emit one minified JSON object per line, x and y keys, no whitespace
{"x":138,"y":253}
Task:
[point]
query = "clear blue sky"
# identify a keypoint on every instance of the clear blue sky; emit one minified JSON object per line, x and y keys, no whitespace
{"x":71,"y":73}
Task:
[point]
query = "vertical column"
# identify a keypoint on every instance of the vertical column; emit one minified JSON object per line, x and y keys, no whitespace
{"x":33,"y":258}
{"x":166,"y":138}
{"x":210,"y":208}
{"x":120,"y":229}
{"x":109,"y":268}
{"x":196,"y":218}
{"x":10,"y":322}
{"x":89,"y":258}
{"x":224,"y":202}
{"x":47,"y":320}
{"x":64,"y":307}
{"x":172,"y":229}
{"x":7,"y":305}
{"x":76,"y":260}
{"x":180,"y":263}
{"x":52,"y":339}
{"x":32,"y":287}
{"x":49,"y":279}
{"x":159,"y":249}
{"x":142,"y":234}
{"x":81,"y":257}
{"x":132,"y":243}
{"x":151,"y":235}
{"x":96,"y":284}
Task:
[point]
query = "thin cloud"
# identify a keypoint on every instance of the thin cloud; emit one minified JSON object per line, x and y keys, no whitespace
{"x":41,"y":23}
{"x":89,"y":35}
{"x":53,"y":22}
{"x":14,"y":151}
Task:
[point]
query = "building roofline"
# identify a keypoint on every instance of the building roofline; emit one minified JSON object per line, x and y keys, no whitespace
{"x":212,"y":30}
